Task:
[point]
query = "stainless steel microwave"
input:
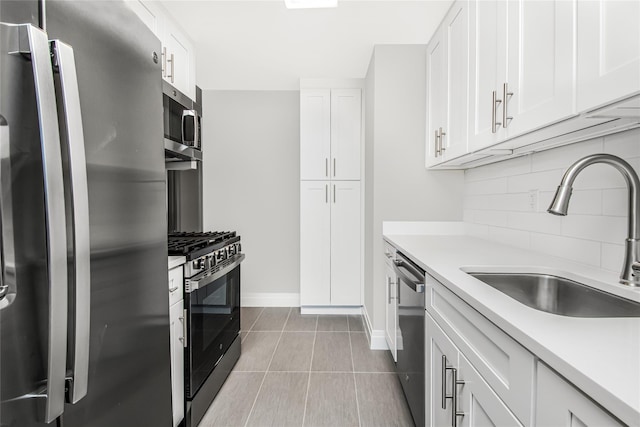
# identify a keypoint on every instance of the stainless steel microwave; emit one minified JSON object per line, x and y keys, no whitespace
{"x":182,"y":123}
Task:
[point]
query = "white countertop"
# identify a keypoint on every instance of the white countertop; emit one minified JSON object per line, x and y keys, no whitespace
{"x":601,"y":356}
{"x":175,"y":261}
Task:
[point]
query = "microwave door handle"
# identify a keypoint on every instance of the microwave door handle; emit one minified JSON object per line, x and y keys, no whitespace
{"x":33,"y":43}
{"x":64,"y":58}
{"x":196,"y":130}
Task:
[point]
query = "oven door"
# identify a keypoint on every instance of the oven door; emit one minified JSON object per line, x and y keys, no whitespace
{"x":213,"y":319}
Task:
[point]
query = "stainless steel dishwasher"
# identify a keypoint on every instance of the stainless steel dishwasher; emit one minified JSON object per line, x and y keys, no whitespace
{"x":410,"y":339}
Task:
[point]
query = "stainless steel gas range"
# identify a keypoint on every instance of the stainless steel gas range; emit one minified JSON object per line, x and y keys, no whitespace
{"x":212,"y":304}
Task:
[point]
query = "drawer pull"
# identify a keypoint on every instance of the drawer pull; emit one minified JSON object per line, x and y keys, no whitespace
{"x":172,"y":290}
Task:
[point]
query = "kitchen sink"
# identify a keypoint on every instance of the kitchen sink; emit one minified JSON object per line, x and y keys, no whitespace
{"x":559,"y":295}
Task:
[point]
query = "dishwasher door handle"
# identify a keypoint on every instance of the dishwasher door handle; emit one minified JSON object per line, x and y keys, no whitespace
{"x":415,"y":283}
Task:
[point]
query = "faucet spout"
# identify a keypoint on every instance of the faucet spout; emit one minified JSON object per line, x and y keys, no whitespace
{"x":630,"y":274}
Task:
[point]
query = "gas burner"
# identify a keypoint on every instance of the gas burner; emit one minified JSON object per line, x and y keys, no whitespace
{"x":195,"y":244}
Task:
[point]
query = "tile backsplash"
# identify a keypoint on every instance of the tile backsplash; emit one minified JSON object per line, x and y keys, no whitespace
{"x":507,"y":202}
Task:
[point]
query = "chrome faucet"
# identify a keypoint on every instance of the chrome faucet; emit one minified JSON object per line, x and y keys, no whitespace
{"x":630,"y":274}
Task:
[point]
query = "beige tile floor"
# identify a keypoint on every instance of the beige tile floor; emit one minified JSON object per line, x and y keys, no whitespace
{"x":307,"y":370}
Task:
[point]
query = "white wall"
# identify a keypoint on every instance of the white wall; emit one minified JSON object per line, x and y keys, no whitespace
{"x":398,"y":186}
{"x":497,"y":202}
{"x":251,"y":184}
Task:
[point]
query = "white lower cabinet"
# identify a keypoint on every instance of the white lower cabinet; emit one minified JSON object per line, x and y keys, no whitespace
{"x":391,"y":309}
{"x":330,"y":240}
{"x":559,"y":404}
{"x":457,"y":395}
{"x":176,"y":322}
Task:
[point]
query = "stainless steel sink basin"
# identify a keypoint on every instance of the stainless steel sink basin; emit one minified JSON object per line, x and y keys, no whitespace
{"x":559,"y":295}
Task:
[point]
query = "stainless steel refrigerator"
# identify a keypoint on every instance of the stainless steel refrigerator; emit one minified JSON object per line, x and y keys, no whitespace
{"x":84,"y":324}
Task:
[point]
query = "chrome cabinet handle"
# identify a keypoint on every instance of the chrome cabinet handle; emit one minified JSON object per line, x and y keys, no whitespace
{"x":33,"y":42}
{"x":494,"y":106}
{"x":172,"y":60}
{"x":334,"y":166}
{"x":164,"y":61}
{"x":326,"y":193}
{"x":326,"y":167}
{"x":505,"y":95}
{"x":436,"y":143}
{"x":334,"y":194}
{"x":65,"y":63}
{"x":172,"y":290}
{"x":444,"y":381}
{"x":184,"y":328}
{"x":440,"y":135}
{"x":454,"y":399}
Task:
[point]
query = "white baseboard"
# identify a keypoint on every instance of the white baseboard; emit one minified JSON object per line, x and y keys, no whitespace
{"x":377,"y":340}
{"x":269,"y":299}
{"x":330,"y":310}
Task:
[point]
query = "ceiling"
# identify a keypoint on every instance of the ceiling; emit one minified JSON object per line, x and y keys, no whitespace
{"x":261,"y":45}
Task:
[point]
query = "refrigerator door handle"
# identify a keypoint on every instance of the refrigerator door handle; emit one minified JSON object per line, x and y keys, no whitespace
{"x":64,"y":63}
{"x":32,"y":42}
{"x":7,"y":250}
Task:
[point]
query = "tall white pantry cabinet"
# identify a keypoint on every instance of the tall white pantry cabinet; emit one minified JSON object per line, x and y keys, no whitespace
{"x":330,"y":197}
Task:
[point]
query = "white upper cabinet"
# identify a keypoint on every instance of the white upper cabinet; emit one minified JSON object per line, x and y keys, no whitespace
{"x":487,"y":71}
{"x":315,"y":134}
{"x":178,"y":52}
{"x":540,"y":65}
{"x":447,"y":87}
{"x":608,"y":51}
{"x":330,"y":134}
{"x":346,"y":131}
{"x":522,"y":67}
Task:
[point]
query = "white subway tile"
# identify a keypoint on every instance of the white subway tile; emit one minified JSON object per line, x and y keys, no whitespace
{"x":584,"y":251}
{"x":534,"y":221}
{"x":508,"y":202}
{"x":468,"y":215}
{"x":486,"y":186}
{"x":497,"y":218}
{"x":599,"y":176}
{"x":623,"y":144}
{"x":612,"y":257}
{"x":547,"y":180}
{"x":476,"y":202}
{"x":517,"y":166}
{"x":615,"y":202}
{"x":563,"y":157}
{"x":585,"y":202}
{"x":507,"y":236}
{"x":477,"y":230}
{"x":609,"y":229}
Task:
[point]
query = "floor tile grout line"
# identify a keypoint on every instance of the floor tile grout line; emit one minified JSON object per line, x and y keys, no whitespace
{"x":313,"y":349}
{"x":254,"y":322}
{"x":355,"y":386}
{"x":268,"y":366}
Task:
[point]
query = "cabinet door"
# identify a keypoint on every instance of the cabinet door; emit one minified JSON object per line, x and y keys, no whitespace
{"x":436,"y":96}
{"x":315,"y":134}
{"x":346,"y":127}
{"x":456,"y":33}
{"x":315,"y":243}
{"x":391,"y":319}
{"x":176,"y":319}
{"x":437,"y":348}
{"x":488,"y":53}
{"x":559,"y":404}
{"x":480,"y":405}
{"x":541,"y":65}
{"x":179,"y":61}
{"x":608,"y":51}
{"x":148,"y":13}
{"x":345,"y":243}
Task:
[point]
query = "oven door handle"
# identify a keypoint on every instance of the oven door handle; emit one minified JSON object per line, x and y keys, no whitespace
{"x":209,"y":276}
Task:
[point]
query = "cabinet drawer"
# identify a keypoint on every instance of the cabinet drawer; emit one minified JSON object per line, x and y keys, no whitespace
{"x":176,"y":285}
{"x":506,"y":366}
